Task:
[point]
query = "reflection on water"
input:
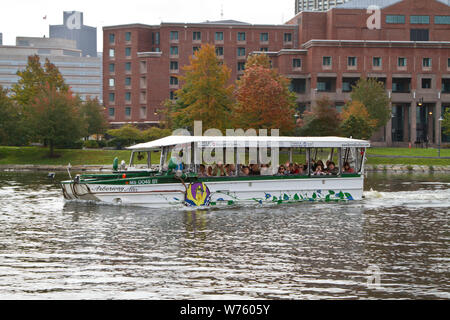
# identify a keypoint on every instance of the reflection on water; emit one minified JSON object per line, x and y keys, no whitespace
{"x":51,"y":249}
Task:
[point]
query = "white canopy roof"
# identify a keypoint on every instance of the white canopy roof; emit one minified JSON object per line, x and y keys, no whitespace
{"x":251,"y":141}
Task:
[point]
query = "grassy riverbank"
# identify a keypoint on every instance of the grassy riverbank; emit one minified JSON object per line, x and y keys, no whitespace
{"x":39,"y":156}
{"x":391,"y":156}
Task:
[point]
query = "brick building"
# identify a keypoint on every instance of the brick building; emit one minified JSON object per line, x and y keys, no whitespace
{"x":323,"y":53}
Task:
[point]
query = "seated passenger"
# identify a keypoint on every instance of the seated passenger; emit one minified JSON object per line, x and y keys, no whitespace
{"x":219,"y":170}
{"x":281,"y":171}
{"x":245,"y":171}
{"x":209,"y":172}
{"x":230,"y":170}
{"x":202,"y":171}
{"x":320,"y":162}
{"x":298,"y":169}
{"x":254,"y":170}
{"x":347,"y":168}
{"x":265,"y":170}
{"x":331,"y":169}
{"x":319,"y":170}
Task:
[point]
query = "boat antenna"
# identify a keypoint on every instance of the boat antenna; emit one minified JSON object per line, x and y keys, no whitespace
{"x":69,"y":166}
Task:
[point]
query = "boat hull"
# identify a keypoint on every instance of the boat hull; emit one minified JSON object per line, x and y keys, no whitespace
{"x":220,"y":193}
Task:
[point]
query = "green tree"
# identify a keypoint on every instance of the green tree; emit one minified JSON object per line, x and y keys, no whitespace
{"x":126,"y":135}
{"x":372,"y":94}
{"x":34,"y":79}
{"x":93,"y":115}
{"x":324,"y":120}
{"x":356,"y":121}
{"x":446,"y":122}
{"x":54,"y":117}
{"x":155,"y":133}
{"x":263,"y":98}
{"x":206,"y":95}
{"x":10,"y":133}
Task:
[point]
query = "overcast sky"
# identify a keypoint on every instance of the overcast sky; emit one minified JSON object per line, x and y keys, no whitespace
{"x":25,"y":17}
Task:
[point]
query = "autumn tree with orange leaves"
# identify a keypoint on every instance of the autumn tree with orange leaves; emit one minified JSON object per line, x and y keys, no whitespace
{"x":263,"y":98}
{"x":206,"y":94}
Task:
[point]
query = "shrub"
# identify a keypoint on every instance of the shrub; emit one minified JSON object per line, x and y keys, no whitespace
{"x":91,"y":144}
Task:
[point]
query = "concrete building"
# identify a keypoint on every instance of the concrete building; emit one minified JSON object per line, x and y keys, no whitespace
{"x":316,"y":5}
{"x":323,"y":53}
{"x":82,"y":74}
{"x":74,"y":29}
{"x":1,"y":39}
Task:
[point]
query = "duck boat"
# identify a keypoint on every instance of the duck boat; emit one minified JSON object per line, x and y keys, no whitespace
{"x":169,"y":173}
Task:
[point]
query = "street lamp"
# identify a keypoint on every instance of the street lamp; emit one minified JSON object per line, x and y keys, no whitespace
{"x":440,"y":136}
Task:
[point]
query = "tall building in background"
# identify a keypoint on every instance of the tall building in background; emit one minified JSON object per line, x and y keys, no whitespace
{"x":82,"y":74}
{"x":1,"y":39}
{"x":316,"y":5}
{"x":74,"y":29}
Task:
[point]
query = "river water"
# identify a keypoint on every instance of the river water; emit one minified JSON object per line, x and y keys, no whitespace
{"x":392,"y":245}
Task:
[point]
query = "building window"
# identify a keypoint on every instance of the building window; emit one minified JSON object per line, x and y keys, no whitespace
{"x":127,"y":36}
{"x":298,"y":85}
{"x":128,"y":96}
{"x":419,"y":35}
{"x":128,"y":112}
{"x":112,"y":82}
{"x":288,"y":37}
{"x":112,"y":67}
{"x":143,"y":66}
{"x":197,"y":36}
{"x":402,"y":62}
{"x":241,"y":66}
{"x":128,"y":81}
{"x":241,"y":36}
{"x":241,"y":52}
{"x":264,"y":49}
{"x":442,"y":19}
{"x":111,"y":112}
{"x":326,"y":61}
{"x":419,"y":20}
{"x":297,"y":63}
{"x":143,"y":113}
{"x":219,"y":51}
{"x":112,"y":97}
{"x":155,"y":38}
{"x":127,"y":52}
{"x":426,"y":83}
{"x":264,"y":37}
{"x":219,"y":36}
{"x":173,"y":65}
{"x":127,"y":66}
{"x":426,"y":62}
{"x":112,"y":38}
{"x":448,"y":63}
{"x":173,"y":51}
{"x":376,"y":62}
{"x":174,"y":35}
{"x":173,"y":81}
{"x":396,"y":19}
{"x":112,"y":53}
{"x":195,"y":49}
{"x":351,"y":61}
{"x":172,"y":95}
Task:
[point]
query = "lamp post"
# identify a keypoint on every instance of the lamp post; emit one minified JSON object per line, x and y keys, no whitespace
{"x":439,"y":136}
